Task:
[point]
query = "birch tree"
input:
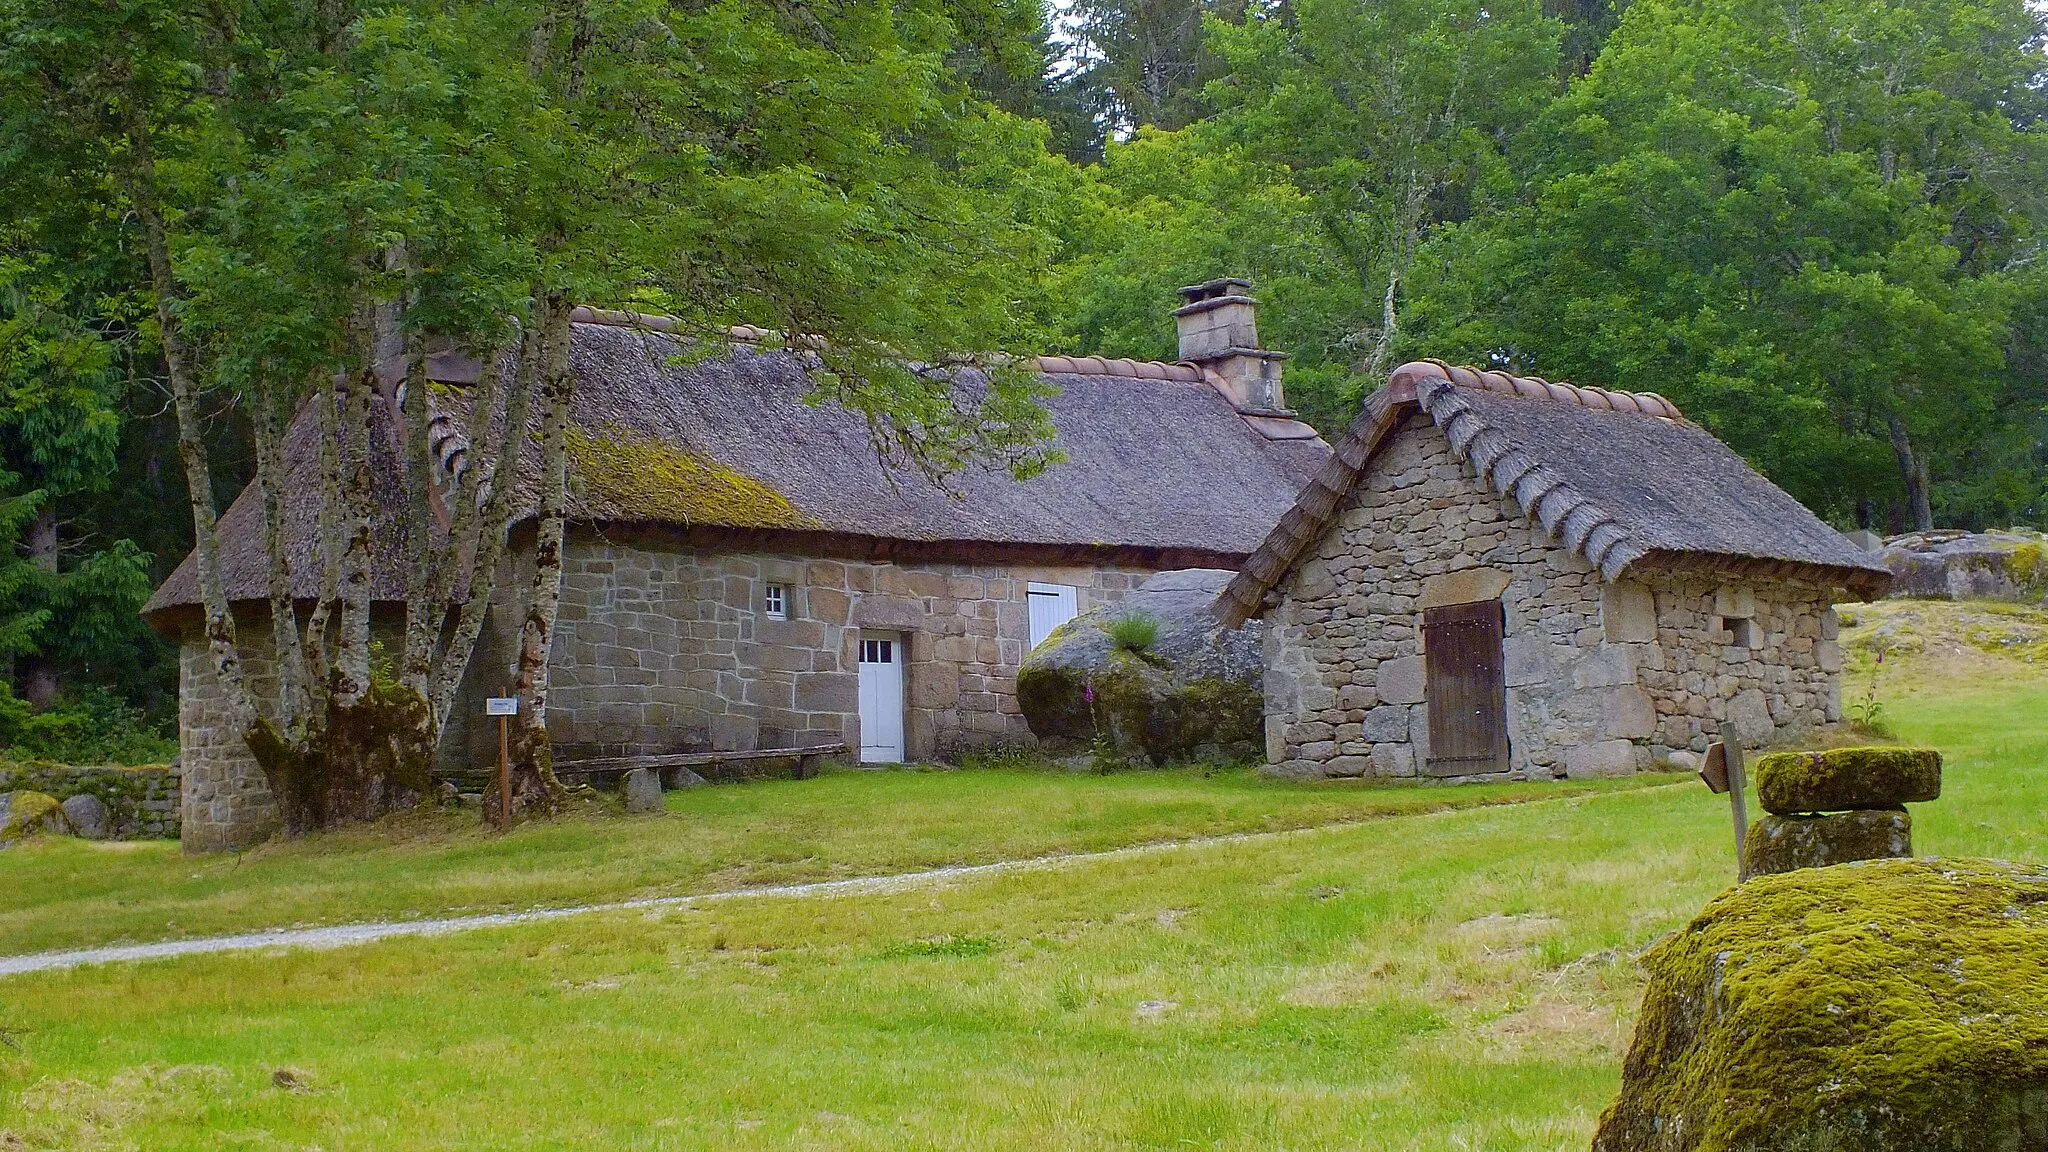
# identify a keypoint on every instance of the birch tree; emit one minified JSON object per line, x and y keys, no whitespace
{"x":321,"y":191}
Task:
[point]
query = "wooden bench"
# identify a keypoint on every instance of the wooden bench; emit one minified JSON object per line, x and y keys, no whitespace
{"x":707,"y":764}
{"x":807,"y":760}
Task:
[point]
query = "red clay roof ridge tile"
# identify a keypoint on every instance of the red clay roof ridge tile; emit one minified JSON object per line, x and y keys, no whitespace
{"x":1401,"y":382}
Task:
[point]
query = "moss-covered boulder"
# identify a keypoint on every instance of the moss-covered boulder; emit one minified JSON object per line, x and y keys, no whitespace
{"x":24,"y":814}
{"x":1190,"y":691}
{"x":1845,"y":779}
{"x":1781,"y":843}
{"x":1891,"y":1006}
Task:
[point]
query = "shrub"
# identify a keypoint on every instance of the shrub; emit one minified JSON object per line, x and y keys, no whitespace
{"x":1133,"y":631}
{"x":93,"y":727}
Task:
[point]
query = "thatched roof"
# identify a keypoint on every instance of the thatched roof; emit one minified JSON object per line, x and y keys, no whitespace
{"x":1621,"y":479}
{"x":1160,"y":467}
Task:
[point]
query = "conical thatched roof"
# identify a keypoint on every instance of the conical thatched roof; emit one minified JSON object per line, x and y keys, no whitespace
{"x":1622,"y":479}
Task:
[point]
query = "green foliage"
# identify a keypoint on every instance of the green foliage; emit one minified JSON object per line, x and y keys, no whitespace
{"x":1133,"y":632}
{"x":94,"y":727}
{"x":1799,"y":222}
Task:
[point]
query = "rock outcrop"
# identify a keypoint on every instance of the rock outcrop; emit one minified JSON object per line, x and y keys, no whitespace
{"x":1192,"y":692}
{"x":24,"y":814}
{"x":1887,"y":1006}
{"x":2005,"y":565}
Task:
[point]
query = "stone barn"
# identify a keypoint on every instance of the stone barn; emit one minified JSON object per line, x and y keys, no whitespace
{"x":1497,"y":577}
{"x":744,"y":572}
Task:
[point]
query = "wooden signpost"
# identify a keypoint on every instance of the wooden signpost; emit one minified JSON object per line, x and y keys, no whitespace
{"x":504,"y":708}
{"x":1723,"y":773}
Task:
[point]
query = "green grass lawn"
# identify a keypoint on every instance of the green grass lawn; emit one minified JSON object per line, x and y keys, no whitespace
{"x":62,"y":893}
{"x":1444,"y":980}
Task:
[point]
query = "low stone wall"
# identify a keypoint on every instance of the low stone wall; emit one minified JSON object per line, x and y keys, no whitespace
{"x":142,"y":802}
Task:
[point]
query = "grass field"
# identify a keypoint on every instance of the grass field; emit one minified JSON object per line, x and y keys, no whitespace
{"x":1443,"y":980}
{"x":61,"y":893}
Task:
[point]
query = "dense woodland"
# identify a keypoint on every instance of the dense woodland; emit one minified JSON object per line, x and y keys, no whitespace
{"x":1816,"y":225}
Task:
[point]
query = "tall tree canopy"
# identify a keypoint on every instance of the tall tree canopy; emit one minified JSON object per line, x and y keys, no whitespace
{"x":322,"y":193}
{"x":1809,"y":222}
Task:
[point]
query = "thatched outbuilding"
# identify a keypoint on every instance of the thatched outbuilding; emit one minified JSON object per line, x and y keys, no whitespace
{"x":1501,"y":577}
{"x":745,"y":571}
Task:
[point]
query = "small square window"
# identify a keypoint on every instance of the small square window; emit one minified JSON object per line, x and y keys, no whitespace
{"x":1742,"y":631}
{"x":775,"y":602}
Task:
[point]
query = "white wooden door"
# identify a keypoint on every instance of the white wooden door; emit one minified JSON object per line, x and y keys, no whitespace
{"x":881,"y":698}
{"x":1051,"y":606}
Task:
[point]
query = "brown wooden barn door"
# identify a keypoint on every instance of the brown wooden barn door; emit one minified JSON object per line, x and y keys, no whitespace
{"x":1467,"y":688}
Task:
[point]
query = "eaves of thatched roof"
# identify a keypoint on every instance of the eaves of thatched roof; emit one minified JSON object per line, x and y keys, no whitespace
{"x":1621,"y":479}
{"x":1160,"y":468}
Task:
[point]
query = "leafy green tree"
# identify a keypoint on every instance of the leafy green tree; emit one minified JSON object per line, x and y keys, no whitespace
{"x":321,"y":190}
{"x":59,"y":427}
{"x":1142,"y":63}
{"x":1802,"y":220}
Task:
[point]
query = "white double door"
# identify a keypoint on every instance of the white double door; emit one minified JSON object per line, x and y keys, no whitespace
{"x":881,"y":698}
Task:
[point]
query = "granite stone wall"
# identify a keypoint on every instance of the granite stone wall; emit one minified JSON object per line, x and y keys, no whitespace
{"x":142,"y":800}
{"x":659,"y":650}
{"x":1601,"y":678}
{"x":227,"y":802}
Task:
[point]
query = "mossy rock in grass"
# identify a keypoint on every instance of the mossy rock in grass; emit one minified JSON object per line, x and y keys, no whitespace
{"x":24,"y":814}
{"x":1889,"y":1006}
{"x":1846,"y":779}
{"x":1782,"y":843}
{"x":1194,"y":691}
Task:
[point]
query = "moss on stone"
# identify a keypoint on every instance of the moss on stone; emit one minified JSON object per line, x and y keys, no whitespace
{"x":1879,"y":1007}
{"x":27,"y":813}
{"x":640,"y":478}
{"x":1781,"y":843}
{"x":1844,"y":779}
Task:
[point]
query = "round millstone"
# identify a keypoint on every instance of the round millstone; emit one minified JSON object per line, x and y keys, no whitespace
{"x":1783,"y":843}
{"x":1847,"y":779}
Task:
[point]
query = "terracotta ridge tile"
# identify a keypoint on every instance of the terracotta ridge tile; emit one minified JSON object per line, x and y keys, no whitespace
{"x":1403,"y":380}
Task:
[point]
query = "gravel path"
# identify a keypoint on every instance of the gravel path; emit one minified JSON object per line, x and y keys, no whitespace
{"x":343,"y":935}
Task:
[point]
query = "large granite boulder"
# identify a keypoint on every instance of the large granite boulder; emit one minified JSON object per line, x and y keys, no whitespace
{"x":1193,"y":692}
{"x":2004,"y":565}
{"x":24,"y":814}
{"x":1888,"y":1006}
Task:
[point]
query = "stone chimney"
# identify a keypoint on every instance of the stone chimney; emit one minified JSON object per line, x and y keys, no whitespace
{"x":1219,"y":333}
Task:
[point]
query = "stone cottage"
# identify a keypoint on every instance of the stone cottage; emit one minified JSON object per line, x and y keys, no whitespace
{"x":744,"y":572}
{"x":1498,"y":577}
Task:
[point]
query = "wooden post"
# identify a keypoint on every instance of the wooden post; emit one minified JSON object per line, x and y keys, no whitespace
{"x":504,"y":708}
{"x":1723,"y":772}
{"x":1737,"y":786}
{"x":505,"y":774}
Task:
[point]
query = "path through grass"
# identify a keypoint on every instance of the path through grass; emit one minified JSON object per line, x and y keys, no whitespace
{"x":60,"y":893}
{"x":1452,"y":980}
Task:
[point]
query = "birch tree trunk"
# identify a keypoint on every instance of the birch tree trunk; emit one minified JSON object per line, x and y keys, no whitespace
{"x":534,"y":783}
{"x":219,"y":621}
{"x":294,"y":684}
{"x":500,"y":450}
{"x":319,"y":653}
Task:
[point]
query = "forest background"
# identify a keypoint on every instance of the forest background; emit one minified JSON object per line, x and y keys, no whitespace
{"x":1816,"y":225}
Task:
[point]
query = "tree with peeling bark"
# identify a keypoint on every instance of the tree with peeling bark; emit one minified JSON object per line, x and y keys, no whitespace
{"x":326,"y":194}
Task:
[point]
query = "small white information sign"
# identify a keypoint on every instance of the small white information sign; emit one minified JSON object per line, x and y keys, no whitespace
{"x":501,"y":706}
